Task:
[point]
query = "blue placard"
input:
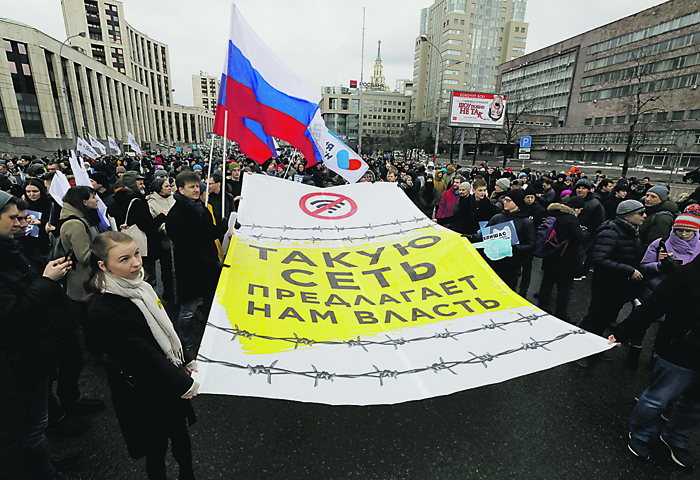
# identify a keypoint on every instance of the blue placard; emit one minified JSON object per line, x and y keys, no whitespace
{"x":500,"y":230}
{"x":525,"y":142}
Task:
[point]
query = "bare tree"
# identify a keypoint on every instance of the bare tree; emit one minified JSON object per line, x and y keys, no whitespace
{"x":514,"y":126}
{"x":642,"y":102}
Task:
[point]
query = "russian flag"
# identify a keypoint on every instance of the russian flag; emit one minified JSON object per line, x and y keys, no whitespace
{"x":264,"y":99}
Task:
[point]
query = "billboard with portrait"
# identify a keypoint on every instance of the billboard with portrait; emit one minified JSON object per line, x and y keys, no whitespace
{"x":482,"y":110}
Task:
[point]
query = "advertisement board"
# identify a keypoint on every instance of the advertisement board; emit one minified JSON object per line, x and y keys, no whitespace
{"x":482,"y":110}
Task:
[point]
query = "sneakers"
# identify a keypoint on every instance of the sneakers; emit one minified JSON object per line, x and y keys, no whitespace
{"x":582,"y":362}
{"x":581,"y":278}
{"x":679,"y":455}
{"x":638,"y":447}
{"x":607,"y":356}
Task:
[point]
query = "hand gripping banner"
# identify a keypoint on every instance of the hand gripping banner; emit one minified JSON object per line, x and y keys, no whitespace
{"x":351,"y":296}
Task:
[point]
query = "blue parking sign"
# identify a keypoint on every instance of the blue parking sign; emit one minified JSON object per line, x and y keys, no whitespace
{"x":525,"y":142}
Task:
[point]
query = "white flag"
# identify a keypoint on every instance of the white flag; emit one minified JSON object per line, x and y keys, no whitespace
{"x":83,"y":179}
{"x":113,"y":145}
{"x":96,"y":144}
{"x":86,"y":148}
{"x":134,"y":146}
{"x":59,"y":187}
{"x":337,"y":156}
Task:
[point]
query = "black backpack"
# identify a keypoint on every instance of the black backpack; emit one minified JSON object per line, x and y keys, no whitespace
{"x":547,"y":244}
{"x":57,"y":251}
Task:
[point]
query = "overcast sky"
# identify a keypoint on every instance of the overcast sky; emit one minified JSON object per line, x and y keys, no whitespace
{"x":319,"y":40}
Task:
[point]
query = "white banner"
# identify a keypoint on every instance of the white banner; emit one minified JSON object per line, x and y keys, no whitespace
{"x":351,"y":296}
{"x":59,"y":186}
{"x":134,"y":146}
{"x":86,"y":148}
{"x":113,"y":145}
{"x":483,"y":110}
{"x":96,"y":144}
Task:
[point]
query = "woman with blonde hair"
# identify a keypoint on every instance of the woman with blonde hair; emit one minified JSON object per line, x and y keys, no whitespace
{"x":147,"y":370}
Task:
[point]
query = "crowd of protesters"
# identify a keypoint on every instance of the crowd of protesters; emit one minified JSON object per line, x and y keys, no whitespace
{"x":65,"y":276}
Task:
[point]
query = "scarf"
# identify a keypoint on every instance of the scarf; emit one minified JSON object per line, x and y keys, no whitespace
{"x":144,"y":297}
{"x":197,"y":205}
{"x":680,"y":247}
{"x":631,"y":226}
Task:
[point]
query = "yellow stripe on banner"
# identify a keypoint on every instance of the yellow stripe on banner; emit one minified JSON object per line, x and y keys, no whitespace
{"x":336,"y":294}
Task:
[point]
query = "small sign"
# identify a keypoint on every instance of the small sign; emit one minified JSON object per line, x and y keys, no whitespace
{"x":524,"y":156}
{"x":525,"y":142}
{"x":524,"y":150}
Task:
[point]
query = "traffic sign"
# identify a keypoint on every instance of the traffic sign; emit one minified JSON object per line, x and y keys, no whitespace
{"x":686,"y":141}
{"x":524,"y":150}
{"x":524,"y":156}
{"x":525,"y":142}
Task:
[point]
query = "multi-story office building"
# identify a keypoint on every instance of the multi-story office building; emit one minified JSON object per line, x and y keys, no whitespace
{"x":205,"y":90}
{"x":50,"y":93}
{"x":384,"y":113}
{"x":640,"y":74}
{"x":460,"y":45}
{"x":115,"y":43}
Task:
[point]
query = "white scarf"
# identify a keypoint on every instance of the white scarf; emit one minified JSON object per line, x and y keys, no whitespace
{"x":144,"y":297}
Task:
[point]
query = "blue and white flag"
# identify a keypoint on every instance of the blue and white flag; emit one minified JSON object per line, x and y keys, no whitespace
{"x":96,"y":144}
{"x":113,"y":145}
{"x":134,"y":146}
{"x":86,"y":148}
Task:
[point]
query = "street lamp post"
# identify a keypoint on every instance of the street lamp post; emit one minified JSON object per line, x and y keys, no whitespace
{"x":424,"y":38}
{"x":81,"y":34}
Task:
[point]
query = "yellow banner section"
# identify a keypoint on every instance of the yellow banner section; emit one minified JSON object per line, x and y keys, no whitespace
{"x":278,"y":297}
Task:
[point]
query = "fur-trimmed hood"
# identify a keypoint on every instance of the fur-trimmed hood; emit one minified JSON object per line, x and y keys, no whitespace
{"x":561,"y":209}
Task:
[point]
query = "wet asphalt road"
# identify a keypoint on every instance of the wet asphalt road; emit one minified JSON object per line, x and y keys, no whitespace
{"x":563,"y":423}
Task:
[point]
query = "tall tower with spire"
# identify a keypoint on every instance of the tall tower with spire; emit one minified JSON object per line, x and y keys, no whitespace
{"x":377,"y":81}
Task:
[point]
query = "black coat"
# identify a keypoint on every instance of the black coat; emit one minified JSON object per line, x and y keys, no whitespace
{"x":146,"y":387}
{"x":536,"y":212}
{"x":677,"y":297}
{"x":615,"y":254}
{"x":139,"y":215}
{"x":192,"y":233}
{"x":568,"y":228}
{"x":467,"y":214}
{"x":593,"y":214}
{"x":29,"y":317}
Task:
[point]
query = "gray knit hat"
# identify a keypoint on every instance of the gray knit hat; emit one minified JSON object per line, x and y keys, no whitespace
{"x":4,"y":198}
{"x":661,"y":191}
{"x":628,"y":208}
{"x":585,"y":183}
{"x":504,"y":183}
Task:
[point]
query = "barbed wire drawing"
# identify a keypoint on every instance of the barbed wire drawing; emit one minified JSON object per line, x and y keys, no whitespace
{"x":337,"y":228}
{"x":381,"y":374}
{"x":395,"y":342}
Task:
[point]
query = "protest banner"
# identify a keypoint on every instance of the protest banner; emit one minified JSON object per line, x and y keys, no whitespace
{"x":350,"y":295}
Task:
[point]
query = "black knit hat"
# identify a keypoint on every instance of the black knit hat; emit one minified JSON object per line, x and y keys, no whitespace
{"x":517,"y":195}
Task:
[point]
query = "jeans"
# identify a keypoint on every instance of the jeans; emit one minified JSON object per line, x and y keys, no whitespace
{"x":565,"y":287}
{"x":188,"y":309}
{"x":671,"y":385}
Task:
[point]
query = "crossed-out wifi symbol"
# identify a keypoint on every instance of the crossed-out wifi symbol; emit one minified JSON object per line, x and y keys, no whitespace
{"x":328,"y":206}
{"x":333,"y":205}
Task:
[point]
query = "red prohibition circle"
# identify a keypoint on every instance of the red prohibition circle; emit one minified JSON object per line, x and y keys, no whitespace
{"x":338,"y":199}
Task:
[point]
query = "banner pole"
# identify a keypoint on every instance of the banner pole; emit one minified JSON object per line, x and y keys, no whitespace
{"x":223,"y":169}
{"x":211,"y":157}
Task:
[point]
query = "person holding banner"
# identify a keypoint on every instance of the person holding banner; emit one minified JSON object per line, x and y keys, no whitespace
{"x":197,"y":266}
{"x":509,"y":268}
{"x":147,"y":370}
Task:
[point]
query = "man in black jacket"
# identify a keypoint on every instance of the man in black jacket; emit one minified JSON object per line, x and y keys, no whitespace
{"x":675,"y":381}
{"x":561,"y":267}
{"x":509,"y":268}
{"x":197,"y":267}
{"x":28,"y":346}
{"x":615,"y":254}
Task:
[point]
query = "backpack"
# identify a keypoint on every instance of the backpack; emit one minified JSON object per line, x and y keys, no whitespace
{"x":547,"y":243}
{"x":57,"y":250}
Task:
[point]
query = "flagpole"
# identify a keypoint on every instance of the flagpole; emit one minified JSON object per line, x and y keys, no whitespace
{"x":211,"y":156}
{"x":223,"y":172}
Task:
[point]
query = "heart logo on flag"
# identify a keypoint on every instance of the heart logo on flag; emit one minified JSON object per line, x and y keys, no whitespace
{"x":347,"y":163}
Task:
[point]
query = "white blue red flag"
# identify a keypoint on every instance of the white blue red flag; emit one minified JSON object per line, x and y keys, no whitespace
{"x":264,"y":99}
{"x":133,"y":144}
{"x":113,"y":145}
{"x":95,"y":143}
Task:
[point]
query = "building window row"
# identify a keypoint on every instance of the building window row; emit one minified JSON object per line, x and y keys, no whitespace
{"x":640,"y":71}
{"x":673,"y":83}
{"x":645,"y":52}
{"x":664,"y":137}
{"x":648,"y":32}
